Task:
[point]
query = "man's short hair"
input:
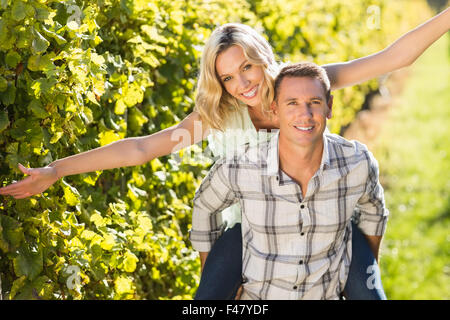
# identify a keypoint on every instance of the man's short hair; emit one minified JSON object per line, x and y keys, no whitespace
{"x":303,"y":69}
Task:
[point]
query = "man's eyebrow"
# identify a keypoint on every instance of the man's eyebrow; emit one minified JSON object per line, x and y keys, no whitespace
{"x":310,"y":98}
{"x":240,"y":66}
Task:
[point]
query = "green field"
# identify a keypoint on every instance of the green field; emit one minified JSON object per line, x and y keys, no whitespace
{"x":414,"y":158}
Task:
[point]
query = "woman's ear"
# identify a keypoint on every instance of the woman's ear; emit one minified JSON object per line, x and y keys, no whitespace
{"x":274,"y":107}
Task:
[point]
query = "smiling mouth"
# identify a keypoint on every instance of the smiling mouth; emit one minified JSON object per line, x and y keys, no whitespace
{"x":304,"y":128}
{"x":251,"y":93}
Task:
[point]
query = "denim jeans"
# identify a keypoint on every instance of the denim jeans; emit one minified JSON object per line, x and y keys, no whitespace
{"x":222,"y":273}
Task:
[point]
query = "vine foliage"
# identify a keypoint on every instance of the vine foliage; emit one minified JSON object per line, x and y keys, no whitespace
{"x":78,"y":74}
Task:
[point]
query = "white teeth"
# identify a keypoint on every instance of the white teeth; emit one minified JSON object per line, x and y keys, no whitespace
{"x":304,"y":128}
{"x":251,"y":93}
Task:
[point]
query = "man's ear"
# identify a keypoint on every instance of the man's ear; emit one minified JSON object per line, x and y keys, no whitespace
{"x":330,"y":107}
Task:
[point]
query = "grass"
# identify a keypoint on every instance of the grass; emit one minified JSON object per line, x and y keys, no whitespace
{"x":414,"y":158}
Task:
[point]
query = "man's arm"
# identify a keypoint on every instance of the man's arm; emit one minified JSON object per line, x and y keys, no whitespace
{"x":214,"y":195}
{"x":373,"y":214}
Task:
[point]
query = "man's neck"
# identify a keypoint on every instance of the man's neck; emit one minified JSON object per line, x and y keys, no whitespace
{"x":300,"y":163}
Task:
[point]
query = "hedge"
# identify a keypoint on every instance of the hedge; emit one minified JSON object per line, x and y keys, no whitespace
{"x":76,"y":75}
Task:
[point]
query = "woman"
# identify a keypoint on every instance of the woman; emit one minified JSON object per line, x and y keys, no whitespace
{"x":234,"y":93}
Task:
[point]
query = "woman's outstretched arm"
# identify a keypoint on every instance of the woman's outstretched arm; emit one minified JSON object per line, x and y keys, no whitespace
{"x":403,"y":52}
{"x":122,"y":153}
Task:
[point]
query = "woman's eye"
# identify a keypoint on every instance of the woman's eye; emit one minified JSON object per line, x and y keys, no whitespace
{"x":247,"y":67}
{"x":226,"y":79}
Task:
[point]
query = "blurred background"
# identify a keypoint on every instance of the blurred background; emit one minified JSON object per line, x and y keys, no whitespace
{"x":77,"y":74}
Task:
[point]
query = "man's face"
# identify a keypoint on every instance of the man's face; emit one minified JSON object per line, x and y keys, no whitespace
{"x":302,"y":110}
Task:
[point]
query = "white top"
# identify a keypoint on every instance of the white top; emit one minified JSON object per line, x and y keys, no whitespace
{"x":239,"y":130}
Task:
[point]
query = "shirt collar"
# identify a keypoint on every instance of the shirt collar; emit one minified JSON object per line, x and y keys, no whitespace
{"x":273,"y":157}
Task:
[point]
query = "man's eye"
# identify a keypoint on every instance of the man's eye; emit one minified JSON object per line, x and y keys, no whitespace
{"x":316,"y":102}
{"x":292,"y":103}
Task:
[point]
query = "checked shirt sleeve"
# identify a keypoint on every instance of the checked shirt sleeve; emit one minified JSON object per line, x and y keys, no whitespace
{"x":214,"y":195}
{"x":373,"y":214}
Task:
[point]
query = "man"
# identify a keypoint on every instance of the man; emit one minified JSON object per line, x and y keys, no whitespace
{"x":298,"y":193}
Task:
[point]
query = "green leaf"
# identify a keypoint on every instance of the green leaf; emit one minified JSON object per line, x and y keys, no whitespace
{"x":12,"y":59}
{"x":12,"y":148}
{"x":108,"y":242}
{"x":133,"y":95}
{"x":43,"y":85}
{"x":11,"y":234}
{"x":120,"y":107}
{"x":71,"y":194}
{"x":4,"y":121}
{"x":39,"y":63}
{"x":123,"y":285}
{"x":37,"y":109}
{"x":136,"y":119}
{"x":152,"y":33}
{"x":3,"y":84}
{"x":130,"y":261}
{"x":28,"y":262}
{"x":24,"y":38}
{"x":39,"y":44}
{"x":98,"y":220}
{"x":7,"y":39}
{"x":8,"y":97}
{"x":91,"y":97}
{"x":107,"y":137}
{"x":145,"y":223}
{"x":97,"y":59}
{"x":56,"y":136}
{"x":119,"y":208}
{"x":18,"y":11}
{"x":59,"y":40}
{"x":42,"y":14}
{"x":17,"y":285}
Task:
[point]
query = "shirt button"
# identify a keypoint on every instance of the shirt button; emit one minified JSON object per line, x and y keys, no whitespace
{"x":302,"y":234}
{"x":302,"y":206}
{"x":295,"y":288}
{"x":300,"y":262}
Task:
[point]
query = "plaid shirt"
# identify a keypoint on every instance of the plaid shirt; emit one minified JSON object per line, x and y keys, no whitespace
{"x":293,"y":247}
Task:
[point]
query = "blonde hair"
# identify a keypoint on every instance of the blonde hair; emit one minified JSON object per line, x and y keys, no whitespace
{"x":213,"y":102}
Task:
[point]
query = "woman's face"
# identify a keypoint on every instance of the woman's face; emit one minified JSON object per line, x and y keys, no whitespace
{"x":241,"y":79}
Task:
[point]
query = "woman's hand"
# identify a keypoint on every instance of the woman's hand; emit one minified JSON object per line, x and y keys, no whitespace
{"x":38,"y":180}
